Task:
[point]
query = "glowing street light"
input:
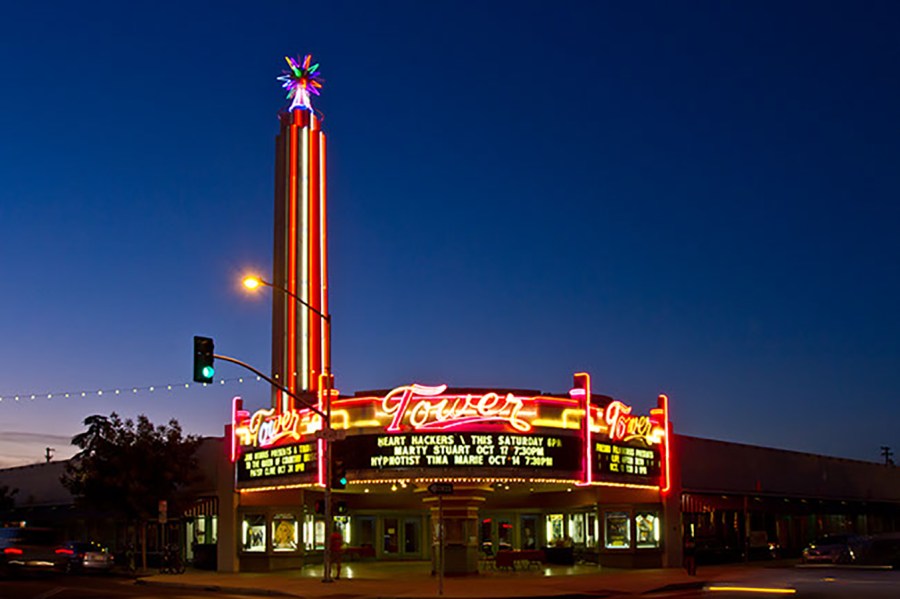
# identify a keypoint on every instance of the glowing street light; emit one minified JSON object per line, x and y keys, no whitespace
{"x":252,"y":282}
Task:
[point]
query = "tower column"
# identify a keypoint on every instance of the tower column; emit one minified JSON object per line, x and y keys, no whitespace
{"x":299,"y":338}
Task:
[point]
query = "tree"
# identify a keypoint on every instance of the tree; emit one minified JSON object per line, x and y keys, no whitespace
{"x":7,"y":498}
{"x":127,"y":467}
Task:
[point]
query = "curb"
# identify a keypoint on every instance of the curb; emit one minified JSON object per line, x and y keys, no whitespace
{"x":215,"y":588}
{"x":273,"y":593}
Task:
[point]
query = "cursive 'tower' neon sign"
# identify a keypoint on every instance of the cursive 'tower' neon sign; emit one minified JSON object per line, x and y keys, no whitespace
{"x":623,"y":425}
{"x":424,"y":408}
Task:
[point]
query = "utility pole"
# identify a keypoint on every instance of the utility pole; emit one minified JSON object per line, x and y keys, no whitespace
{"x":888,"y":455}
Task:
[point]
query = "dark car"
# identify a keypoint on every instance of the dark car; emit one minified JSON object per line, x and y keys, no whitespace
{"x":88,"y":556}
{"x":24,"y":549}
{"x":881,"y":550}
{"x":833,"y":549}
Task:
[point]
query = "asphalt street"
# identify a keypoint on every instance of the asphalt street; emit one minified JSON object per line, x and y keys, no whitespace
{"x":94,"y":587}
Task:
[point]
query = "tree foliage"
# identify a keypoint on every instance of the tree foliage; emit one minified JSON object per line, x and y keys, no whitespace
{"x":7,"y":498}
{"x":127,"y":466}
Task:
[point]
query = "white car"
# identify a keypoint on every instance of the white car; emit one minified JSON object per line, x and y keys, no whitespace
{"x":87,"y":556}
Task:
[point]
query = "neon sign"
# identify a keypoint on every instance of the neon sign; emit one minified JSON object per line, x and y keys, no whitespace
{"x":269,"y":427}
{"x":433,"y":430}
{"x":623,"y":426}
{"x":423,"y":407}
{"x":466,"y":450}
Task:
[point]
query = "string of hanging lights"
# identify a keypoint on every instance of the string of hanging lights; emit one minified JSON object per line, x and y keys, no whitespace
{"x":119,"y":391}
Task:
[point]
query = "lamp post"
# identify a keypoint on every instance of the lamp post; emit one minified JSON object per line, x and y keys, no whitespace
{"x":253,"y":283}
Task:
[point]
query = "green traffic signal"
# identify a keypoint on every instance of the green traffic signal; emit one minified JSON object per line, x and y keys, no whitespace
{"x":204,"y":350}
{"x":338,"y":475}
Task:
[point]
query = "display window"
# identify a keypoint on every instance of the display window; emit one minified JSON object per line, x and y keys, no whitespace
{"x":313,"y":533}
{"x":555,"y":528}
{"x":576,"y":528}
{"x":617,"y":529}
{"x":342,"y":525}
{"x":285,"y":533}
{"x":591,"y":532}
{"x":253,"y":531}
{"x":646,"y":530}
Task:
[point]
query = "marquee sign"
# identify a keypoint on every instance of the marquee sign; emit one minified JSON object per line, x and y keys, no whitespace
{"x":271,"y":445}
{"x":462,"y":450}
{"x":274,"y":462}
{"x":431,"y":431}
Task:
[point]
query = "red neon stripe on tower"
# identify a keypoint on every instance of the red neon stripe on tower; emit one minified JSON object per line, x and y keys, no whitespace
{"x":291,"y":355}
{"x":299,"y":347}
{"x":314,"y":323}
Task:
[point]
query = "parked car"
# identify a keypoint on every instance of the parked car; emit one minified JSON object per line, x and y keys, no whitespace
{"x":88,"y":556}
{"x":24,"y":549}
{"x":880,"y":550}
{"x":833,"y":549}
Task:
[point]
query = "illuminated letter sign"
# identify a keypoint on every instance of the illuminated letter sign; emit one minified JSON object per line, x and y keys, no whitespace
{"x":287,"y":460}
{"x":424,"y":408}
{"x":498,"y":451}
{"x":623,"y":426}
{"x":269,"y":427}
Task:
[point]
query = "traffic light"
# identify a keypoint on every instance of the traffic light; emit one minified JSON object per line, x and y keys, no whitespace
{"x":203,"y":359}
{"x":338,"y":475}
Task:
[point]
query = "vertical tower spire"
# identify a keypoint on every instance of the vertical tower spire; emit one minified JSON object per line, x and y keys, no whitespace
{"x":300,"y":263}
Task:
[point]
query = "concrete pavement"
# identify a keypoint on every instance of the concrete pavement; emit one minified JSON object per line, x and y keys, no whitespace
{"x":413,"y":580}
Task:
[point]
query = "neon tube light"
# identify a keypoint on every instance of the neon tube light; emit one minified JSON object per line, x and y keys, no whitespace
{"x":424,"y":408}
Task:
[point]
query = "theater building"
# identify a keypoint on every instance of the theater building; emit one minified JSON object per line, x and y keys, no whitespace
{"x":580,"y":476}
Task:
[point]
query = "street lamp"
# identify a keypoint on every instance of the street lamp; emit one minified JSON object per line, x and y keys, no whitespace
{"x":252,"y":283}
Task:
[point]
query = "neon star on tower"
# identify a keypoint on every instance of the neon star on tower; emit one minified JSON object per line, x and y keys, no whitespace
{"x":301,"y":81}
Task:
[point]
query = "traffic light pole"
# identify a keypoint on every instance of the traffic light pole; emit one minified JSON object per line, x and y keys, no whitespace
{"x":326,"y":450}
{"x":278,"y":386}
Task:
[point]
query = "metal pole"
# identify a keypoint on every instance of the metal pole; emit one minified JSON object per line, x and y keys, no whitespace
{"x":440,"y":544}
{"x":326,"y":450}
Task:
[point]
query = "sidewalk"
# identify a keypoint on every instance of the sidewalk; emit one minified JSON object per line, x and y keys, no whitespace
{"x":412,"y":580}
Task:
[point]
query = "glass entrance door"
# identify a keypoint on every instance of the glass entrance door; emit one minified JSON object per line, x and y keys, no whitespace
{"x":391,"y":537}
{"x":412,"y":536}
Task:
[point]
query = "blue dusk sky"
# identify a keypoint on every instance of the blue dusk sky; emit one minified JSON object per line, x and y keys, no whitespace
{"x":693,"y":198}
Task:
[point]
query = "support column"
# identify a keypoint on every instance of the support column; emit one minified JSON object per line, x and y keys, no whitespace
{"x":461,"y":548}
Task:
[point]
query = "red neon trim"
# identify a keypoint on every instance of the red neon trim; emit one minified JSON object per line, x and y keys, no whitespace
{"x":322,"y":385}
{"x":291,"y":349}
{"x":315,"y":250}
{"x":583,"y":384}
{"x":321,"y":460}
{"x":236,"y":404}
{"x":323,"y":252}
{"x":666,"y":484}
